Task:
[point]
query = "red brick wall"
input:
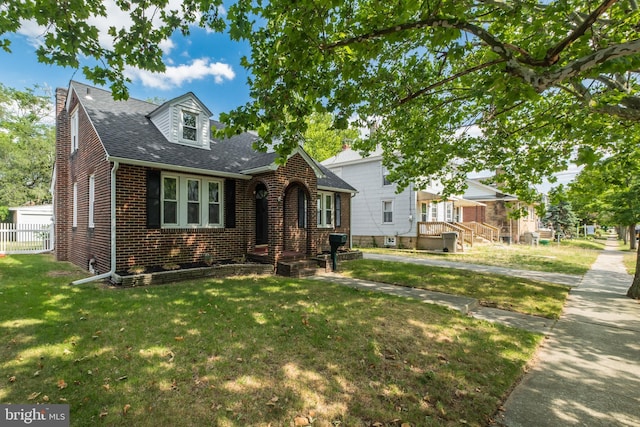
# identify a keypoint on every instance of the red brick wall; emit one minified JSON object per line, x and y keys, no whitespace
{"x":140,"y":246}
{"x":282,"y":185}
{"x":62,"y":218}
{"x":295,"y":237}
{"x":322,"y":237}
{"x":78,"y":244}
{"x":474,"y":213}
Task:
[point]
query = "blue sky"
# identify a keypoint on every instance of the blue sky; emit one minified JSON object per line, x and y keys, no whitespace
{"x":207,"y":64}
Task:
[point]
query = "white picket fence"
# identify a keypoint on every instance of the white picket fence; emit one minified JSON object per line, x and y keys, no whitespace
{"x":25,"y":238}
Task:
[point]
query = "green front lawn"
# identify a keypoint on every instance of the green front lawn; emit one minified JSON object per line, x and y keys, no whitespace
{"x":247,"y":351}
{"x":508,"y":293}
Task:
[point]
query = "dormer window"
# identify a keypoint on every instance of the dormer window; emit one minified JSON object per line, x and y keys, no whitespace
{"x":189,"y":126}
{"x":184,"y":120}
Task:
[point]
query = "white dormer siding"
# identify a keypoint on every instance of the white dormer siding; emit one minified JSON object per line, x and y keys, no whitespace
{"x":184,"y":120}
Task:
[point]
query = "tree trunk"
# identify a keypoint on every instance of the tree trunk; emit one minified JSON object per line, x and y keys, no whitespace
{"x":632,"y":237}
{"x":622,"y":233}
{"x":634,"y":290}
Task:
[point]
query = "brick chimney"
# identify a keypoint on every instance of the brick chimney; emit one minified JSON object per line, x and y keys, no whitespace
{"x":61,"y":201}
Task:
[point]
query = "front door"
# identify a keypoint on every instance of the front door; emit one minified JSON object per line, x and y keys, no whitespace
{"x":262,"y":216}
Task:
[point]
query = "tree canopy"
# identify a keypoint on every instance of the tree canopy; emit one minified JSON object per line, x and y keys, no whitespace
{"x":531,"y":76}
{"x":321,"y":141}
{"x":26,"y":148}
{"x":537,"y":79}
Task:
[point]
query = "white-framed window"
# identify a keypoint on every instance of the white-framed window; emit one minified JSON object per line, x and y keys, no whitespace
{"x":325,"y":209}
{"x":387,"y":211}
{"x":74,"y":130}
{"x":424,"y":212}
{"x":74,"y":220}
{"x":448,"y":206}
{"x":215,"y":203}
{"x":92,"y":200}
{"x":170,"y":200}
{"x":434,"y":212}
{"x":385,"y":177}
{"x":189,"y":127}
{"x":191,"y":202}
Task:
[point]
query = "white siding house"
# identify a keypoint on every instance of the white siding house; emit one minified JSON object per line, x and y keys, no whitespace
{"x":379,"y":215}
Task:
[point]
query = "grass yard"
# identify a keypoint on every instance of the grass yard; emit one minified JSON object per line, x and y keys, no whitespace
{"x":629,"y":260}
{"x":508,"y":293}
{"x":246,"y":351}
{"x":571,"y":257}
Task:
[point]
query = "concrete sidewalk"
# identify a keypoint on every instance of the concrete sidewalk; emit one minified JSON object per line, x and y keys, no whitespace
{"x":588,"y":371}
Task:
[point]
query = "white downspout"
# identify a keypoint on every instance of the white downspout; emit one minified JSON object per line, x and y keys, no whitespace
{"x":114,"y":169}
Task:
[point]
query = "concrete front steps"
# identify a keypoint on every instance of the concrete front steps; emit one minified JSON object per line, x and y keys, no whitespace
{"x":306,"y":267}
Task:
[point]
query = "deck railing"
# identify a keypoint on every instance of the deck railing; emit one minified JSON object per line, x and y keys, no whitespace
{"x":483,"y":230}
{"x":25,"y":238}
{"x":436,"y":228}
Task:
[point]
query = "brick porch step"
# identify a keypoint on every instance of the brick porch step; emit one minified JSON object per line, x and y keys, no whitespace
{"x":297,"y":268}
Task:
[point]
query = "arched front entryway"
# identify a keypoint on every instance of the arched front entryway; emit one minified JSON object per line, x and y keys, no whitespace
{"x":296,"y":220}
{"x":262,"y":215}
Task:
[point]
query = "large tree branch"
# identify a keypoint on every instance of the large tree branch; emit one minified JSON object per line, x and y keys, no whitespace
{"x":497,"y":46}
{"x":553,"y":54}
{"x":429,"y":88}
{"x":619,"y":111}
{"x":551,"y":57}
{"x":544,"y":81}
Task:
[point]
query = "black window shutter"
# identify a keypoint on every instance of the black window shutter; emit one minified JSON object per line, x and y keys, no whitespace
{"x":230,"y":203}
{"x":153,"y":199}
{"x":302,"y":212}
{"x":338,"y":204}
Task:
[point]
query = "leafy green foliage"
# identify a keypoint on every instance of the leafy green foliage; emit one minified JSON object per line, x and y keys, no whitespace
{"x":431,"y":75}
{"x":607,"y":190}
{"x":26,"y":147}
{"x":561,"y":218}
{"x":452,"y":86}
{"x":321,"y":141}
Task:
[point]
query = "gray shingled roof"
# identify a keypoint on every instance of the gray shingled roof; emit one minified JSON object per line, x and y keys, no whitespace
{"x":127,"y":133}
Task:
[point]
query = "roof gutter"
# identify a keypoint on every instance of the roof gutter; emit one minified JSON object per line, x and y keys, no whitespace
{"x":110,"y":273}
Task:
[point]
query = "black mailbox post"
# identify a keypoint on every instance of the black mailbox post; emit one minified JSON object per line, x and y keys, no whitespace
{"x":336,"y":240}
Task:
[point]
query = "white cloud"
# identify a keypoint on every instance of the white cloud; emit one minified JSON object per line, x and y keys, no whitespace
{"x":32,"y":31}
{"x":115,"y":17}
{"x":175,"y":76}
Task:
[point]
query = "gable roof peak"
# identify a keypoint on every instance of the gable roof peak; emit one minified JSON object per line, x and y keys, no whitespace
{"x":180,"y":99}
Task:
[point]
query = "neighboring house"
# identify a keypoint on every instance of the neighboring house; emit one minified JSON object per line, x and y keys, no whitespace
{"x":139,"y":184}
{"x":40,"y":215}
{"x":495,"y":211}
{"x":31,"y":225}
{"x":382,"y":217}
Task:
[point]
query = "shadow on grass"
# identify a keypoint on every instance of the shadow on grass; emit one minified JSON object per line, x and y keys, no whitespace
{"x":247,"y":351}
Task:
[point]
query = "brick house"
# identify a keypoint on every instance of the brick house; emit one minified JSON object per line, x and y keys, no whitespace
{"x":495,"y":208}
{"x":139,"y":184}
